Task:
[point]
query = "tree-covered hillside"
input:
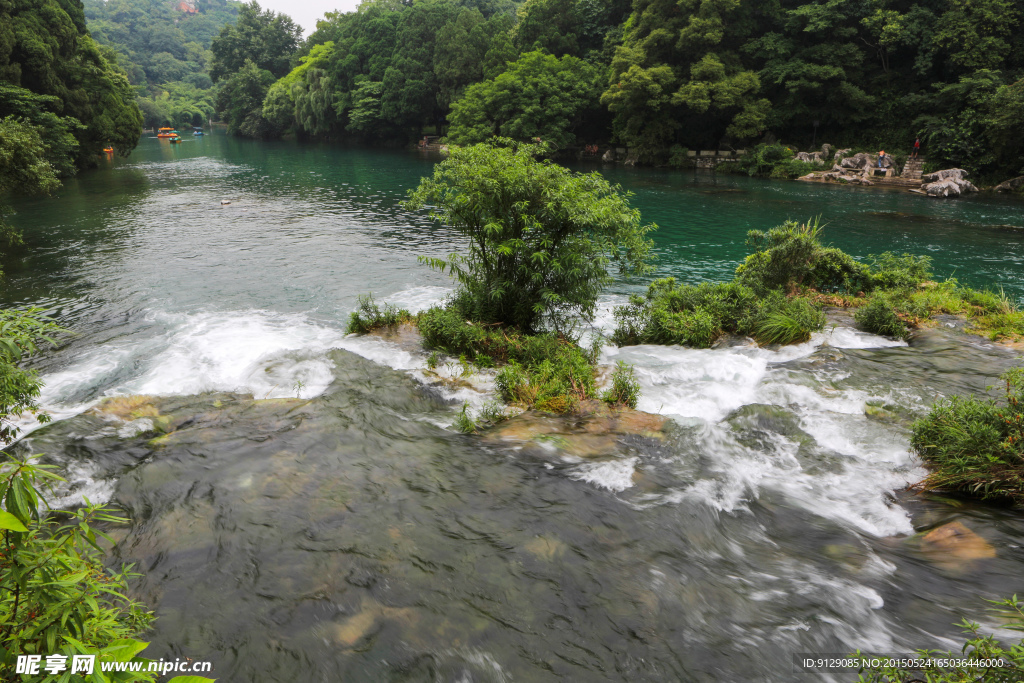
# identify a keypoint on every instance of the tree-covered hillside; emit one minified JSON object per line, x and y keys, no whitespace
{"x":659,"y":74}
{"x":60,"y":85}
{"x":164,"y":45}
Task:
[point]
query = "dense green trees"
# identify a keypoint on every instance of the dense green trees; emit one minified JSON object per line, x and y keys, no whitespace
{"x":538,"y":96}
{"x":247,"y":58}
{"x":165,"y":49}
{"x":652,"y":75}
{"x":54,"y":78}
{"x":265,"y":38}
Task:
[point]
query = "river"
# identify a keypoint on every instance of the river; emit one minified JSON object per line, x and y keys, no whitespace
{"x":334,"y":529}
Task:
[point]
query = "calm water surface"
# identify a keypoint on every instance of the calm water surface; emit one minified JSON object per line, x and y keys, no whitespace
{"x":340,"y":531}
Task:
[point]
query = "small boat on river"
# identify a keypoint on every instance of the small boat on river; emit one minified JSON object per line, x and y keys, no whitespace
{"x":197,"y":130}
{"x":167,"y":133}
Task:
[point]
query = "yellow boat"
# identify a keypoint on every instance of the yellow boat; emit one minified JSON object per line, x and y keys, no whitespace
{"x":108,"y":150}
{"x":167,"y":133}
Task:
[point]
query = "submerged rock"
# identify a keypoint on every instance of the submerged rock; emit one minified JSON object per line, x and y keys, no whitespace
{"x":952,"y":545}
{"x":594,"y":430}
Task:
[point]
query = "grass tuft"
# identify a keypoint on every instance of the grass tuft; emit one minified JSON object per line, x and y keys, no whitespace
{"x":370,"y":316}
{"x":976,"y":445}
{"x":625,"y":389}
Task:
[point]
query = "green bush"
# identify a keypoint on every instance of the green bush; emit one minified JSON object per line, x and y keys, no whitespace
{"x":792,"y":256}
{"x":696,"y":315}
{"x":369,"y":316}
{"x":463,"y":422}
{"x":762,"y":159}
{"x":889,"y":271}
{"x":55,"y":595}
{"x":625,"y":389}
{"x":543,"y":371}
{"x":679,"y":157}
{"x":978,"y":648}
{"x":879,"y":317}
{"x":793,"y":168}
{"x":975,"y":445}
{"x":778,"y":319}
{"x":541,"y":238}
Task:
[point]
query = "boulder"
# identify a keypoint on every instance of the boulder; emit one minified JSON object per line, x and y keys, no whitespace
{"x":826,"y":150}
{"x":951,"y":182}
{"x":812,"y":158}
{"x":957,"y":173}
{"x":609,"y":155}
{"x":859,"y":161}
{"x":1011,"y":185}
{"x":841,"y":153}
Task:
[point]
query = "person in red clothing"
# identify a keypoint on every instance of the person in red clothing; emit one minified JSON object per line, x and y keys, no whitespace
{"x":917,"y":148}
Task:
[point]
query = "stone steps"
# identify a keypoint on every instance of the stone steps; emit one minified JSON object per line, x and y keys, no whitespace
{"x":913,"y":168}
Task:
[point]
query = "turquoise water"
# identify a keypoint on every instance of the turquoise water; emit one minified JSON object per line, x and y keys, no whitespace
{"x":342,"y":530}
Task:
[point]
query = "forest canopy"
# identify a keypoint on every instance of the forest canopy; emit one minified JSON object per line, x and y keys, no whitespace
{"x":164,"y":46}
{"x":55,"y":79}
{"x":657,"y":75}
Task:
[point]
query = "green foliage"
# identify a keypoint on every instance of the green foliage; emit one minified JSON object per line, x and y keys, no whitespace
{"x":541,"y":238}
{"x":178,"y":105}
{"x":901,"y":301}
{"x":696,"y":315}
{"x":24,"y":169}
{"x":369,"y":316}
{"x":792,"y":256}
{"x":463,"y":422}
{"x":56,"y":596}
{"x":879,"y":317}
{"x":75,"y":88}
{"x":262,"y":37}
{"x":240,"y":100}
{"x":976,"y":649}
{"x":56,"y":133}
{"x":976,"y":445}
{"x":537,"y":96}
{"x":625,"y":389}
{"x":889,"y":271}
{"x":247,"y":58}
{"x":22,"y":332}
{"x":156,"y":42}
{"x":538,"y":370}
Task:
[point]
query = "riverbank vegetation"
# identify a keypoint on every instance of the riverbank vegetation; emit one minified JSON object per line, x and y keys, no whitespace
{"x":56,"y":596}
{"x":780,"y":290}
{"x":976,"y":445}
{"x":657,"y":77}
{"x":57,"y":81}
{"x":542,"y":242}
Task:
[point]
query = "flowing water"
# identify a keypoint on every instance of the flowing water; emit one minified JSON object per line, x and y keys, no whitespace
{"x":310,"y":517}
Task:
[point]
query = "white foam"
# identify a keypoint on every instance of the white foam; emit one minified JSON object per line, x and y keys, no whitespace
{"x":267,"y":355}
{"x":692,"y":383}
{"x":614,"y":475}
{"x":701,"y":387}
{"x":419,"y":299}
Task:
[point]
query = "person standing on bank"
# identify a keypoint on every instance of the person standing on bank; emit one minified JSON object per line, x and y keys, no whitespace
{"x":917,"y":148}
